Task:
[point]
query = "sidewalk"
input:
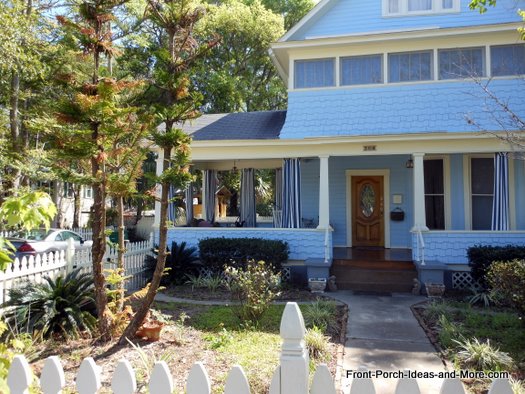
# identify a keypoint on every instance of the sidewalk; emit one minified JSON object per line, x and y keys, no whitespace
{"x":382,"y":334}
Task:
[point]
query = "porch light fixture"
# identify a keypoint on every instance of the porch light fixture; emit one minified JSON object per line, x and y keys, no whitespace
{"x":410,"y":163}
{"x":234,"y":168}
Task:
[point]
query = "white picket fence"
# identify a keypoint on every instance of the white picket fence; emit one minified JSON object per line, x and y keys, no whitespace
{"x":290,"y":377}
{"x":35,"y":268}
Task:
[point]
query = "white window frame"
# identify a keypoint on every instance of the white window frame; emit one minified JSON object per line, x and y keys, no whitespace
{"x":87,"y":192}
{"x":335,"y":71}
{"x":340,"y":71}
{"x":446,"y":188}
{"x":437,"y":8}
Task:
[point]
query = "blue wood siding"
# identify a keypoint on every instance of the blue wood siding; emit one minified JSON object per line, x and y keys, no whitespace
{"x":397,"y":109}
{"x":358,"y":16}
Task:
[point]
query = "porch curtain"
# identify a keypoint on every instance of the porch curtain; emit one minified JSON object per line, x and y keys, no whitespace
{"x":248,"y":214}
{"x":291,"y":208}
{"x":500,"y":202}
{"x":278,"y":189}
{"x":188,"y":194}
{"x":172,"y":215}
{"x":208,"y":194}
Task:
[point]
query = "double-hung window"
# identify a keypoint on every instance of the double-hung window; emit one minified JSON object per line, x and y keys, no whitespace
{"x":482,"y":192}
{"x":461,"y":63}
{"x":434,"y":193}
{"x":361,"y":70}
{"x":410,"y":66}
{"x":315,"y":73}
{"x":507,"y":60}
{"x":408,"y":7}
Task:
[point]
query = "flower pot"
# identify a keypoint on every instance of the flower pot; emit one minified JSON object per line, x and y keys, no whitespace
{"x":317,"y":285}
{"x":150,"y":330}
{"x":435,"y":289}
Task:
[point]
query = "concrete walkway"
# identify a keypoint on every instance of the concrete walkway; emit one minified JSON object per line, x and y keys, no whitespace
{"x":382,"y":334}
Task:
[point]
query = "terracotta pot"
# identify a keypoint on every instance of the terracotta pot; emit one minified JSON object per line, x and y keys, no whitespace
{"x":150,"y":330}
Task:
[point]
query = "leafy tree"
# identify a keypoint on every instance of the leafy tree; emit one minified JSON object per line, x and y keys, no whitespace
{"x":174,"y":102}
{"x":292,"y":10}
{"x":238,"y":75}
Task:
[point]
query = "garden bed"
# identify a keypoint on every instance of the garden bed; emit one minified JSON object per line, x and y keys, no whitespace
{"x":211,"y":334}
{"x":451,"y":321}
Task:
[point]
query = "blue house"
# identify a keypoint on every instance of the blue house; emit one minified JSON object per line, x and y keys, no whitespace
{"x":393,"y":156}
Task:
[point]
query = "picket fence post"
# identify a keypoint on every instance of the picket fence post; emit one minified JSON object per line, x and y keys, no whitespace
{"x":291,"y":377}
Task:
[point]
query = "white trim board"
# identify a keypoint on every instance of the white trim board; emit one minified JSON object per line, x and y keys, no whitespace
{"x":385,"y":173}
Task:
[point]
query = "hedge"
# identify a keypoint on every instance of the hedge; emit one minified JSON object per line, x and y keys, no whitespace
{"x":481,"y":257}
{"x":216,"y":253}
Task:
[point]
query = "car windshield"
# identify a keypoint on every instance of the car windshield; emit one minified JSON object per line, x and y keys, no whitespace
{"x":33,"y":235}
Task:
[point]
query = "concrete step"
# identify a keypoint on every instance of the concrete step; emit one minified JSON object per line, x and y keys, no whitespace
{"x":376,"y":287}
{"x":387,"y":276}
{"x":373,"y":265}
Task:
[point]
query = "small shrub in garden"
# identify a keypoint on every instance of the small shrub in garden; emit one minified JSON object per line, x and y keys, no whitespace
{"x":481,"y":257}
{"x":317,"y":344}
{"x":448,"y":332}
{"x":63,"y":306}
{"x":216,"y":253}
{"x":321,"y":314}
{"x":254,"y":287}
{"x":507,"y":279}
{"x":481,"y":356}
{"x":180,"y":261}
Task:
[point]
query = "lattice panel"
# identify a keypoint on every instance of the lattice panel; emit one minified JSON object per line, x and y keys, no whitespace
{"x":463,"y":280}
{"x":286,"y":275}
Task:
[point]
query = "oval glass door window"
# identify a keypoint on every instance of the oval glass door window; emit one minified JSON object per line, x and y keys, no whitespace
{"x":368,"y":199}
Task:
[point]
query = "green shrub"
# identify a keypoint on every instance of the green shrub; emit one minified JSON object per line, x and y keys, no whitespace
{"x":448,"y":332}
{"x":507,"y":279}
{"x":254,"y":287}
{"x":483,"y":298}
{"x":63,"y":306}
{"x":321,"y":314}
{"x":180,"y":261}
{"x":317,"y":343}
{"x":481,"y":356}
{"x":217,"y":253}
{"x":481,"y":257}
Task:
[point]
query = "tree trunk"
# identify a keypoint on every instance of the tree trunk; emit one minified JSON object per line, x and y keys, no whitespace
{"x":99,"y":243}
{"x":121,"y":251}
{"x":76,"y":212}
{"x":14,"y":121}
{"x":145,"y":305}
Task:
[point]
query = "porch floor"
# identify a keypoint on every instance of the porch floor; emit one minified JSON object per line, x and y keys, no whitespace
{"x":373,"y":269}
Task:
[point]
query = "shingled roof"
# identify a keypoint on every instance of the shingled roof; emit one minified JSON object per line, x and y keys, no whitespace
{"x":261,"y":125}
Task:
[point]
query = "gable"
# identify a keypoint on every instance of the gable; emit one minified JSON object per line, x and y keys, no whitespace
{"x":351,"y":17}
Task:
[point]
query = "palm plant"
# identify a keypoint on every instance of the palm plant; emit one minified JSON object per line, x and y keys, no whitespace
{"x":63,"y":306}
{"x":181,"y":261}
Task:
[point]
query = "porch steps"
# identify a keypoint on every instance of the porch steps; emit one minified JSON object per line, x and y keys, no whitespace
{"x":377,"y":275}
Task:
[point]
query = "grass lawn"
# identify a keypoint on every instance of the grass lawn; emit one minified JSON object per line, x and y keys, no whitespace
{"x":450,"y":322}
{"x":211,"y":334}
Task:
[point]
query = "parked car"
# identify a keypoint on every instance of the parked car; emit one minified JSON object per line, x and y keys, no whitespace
{"x":30,"y":243}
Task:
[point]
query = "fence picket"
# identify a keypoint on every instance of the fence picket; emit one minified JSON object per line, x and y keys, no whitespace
{"x":19,"y":377}
{"x":407,"y":386}
{"x":362,"y":386}
{"x":124,"y":381}
{"x":237,"y":383}
{"x":52,"y":379}
{"x":500,"y":386}
{"x":161,"y":381}
{"x":198,"y":380}
{"x":88,"y":377}
{"x":275,"y":384}
{"x":322,"y":382}
{"x":452,"y":386}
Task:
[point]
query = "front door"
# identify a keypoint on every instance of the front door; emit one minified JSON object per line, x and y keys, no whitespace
{"x":367,"y":211}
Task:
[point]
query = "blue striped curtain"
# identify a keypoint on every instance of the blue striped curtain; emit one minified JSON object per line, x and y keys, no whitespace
{"x":248,"y":214}
{"x":278,"y":188}
{"x":500,"y":204}
{"x":171,"y":205}
{"x":208,"y":194}
{"x":189,"y":203}
{"x":291,"y":208}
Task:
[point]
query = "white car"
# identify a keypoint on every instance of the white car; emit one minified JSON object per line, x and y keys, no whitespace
{"x":30,"y":243}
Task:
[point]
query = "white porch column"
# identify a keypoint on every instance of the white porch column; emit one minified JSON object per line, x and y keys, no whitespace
{"x":324,"y":193}
{"x":420,"y":222}
{"x":158,"y":188}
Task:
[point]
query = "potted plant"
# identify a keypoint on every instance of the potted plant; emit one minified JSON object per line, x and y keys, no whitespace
{"x":435,"y":289}
{"x":317,"y":285}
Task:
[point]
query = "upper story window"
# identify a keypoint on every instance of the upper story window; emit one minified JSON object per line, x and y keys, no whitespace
{"x":87,"y":191}
{"x":315,"y":73}
{"x":410,"y":66}
{"x":410,"y":7}
{"x":507,"y":60}
{"x":461,"y":63}
{"x":360,"y":70}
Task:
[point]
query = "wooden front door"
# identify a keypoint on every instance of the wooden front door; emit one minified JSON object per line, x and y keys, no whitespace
{"x":368,"y":228}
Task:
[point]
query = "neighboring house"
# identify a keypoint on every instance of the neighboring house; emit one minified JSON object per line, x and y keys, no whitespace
{"x":381,"y":140}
